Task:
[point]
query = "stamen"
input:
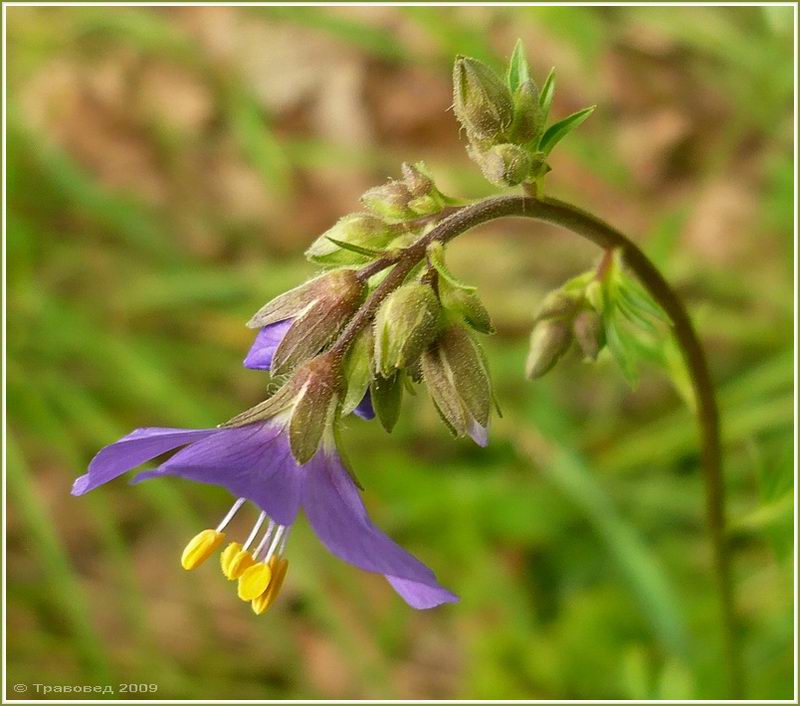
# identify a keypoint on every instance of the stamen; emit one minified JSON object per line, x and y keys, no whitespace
{"x":275,"y":542}
{"x":265,"y":538}
{"x":200,"y":547}
{"x":265,"y":600}
{"x":234,"y":509}
{"x":254,"y":581}
{"x":256,"y":527}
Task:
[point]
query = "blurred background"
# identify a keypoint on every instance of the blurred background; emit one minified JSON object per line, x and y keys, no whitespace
{"x":166,"y":169}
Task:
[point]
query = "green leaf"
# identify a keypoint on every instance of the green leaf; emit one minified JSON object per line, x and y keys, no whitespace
{"x":387,"y":394}
{"x":557,"y":131}
{"x":548,"y":90}
{"x":518,"y":71}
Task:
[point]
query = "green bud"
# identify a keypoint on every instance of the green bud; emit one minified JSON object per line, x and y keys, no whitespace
{"x":457,"y":378}
{"x":527,"y":126}
{"x":405,"y":325}
{"x":481,"y":100}
{"x":550,"y":339}
{"x":360,"y":229}
{"x":417,"y":180}
{"x":466,"y":305}
{"x":558,"y":304}
{"x":505,"y":165}
{"x":320,"y":308}
{"x":358,"y":370}
{"x":389,"y":201}
{"x":589,"y":333}
{"x":387,"y":394}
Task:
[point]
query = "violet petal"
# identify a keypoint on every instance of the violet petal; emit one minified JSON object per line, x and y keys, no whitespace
{"x":267,"y":340}
{"x":252,"y":461}
{"x":132,"y":450}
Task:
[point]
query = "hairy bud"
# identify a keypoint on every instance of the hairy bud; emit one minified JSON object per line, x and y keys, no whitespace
{"x":405,"y":325}
{"x":426,"y":199}
{"x":550,"y":339}
{"x":588,"y":330}
{"x":320,"y":308}
{"x":362,"y":230}
{"x":455,"y":371}
{"x":481,"y":101}
{"x":505,"y":165}
{"x":390,"y":201}
{"x":467,"y":306}
{"x":528,"y":120}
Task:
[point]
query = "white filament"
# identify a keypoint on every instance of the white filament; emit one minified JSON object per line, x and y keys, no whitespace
{"x":234,"y":509}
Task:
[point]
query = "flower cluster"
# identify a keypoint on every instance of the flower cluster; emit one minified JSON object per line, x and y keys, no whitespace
{"x":384,"y":314}
{"x":505,"y":119}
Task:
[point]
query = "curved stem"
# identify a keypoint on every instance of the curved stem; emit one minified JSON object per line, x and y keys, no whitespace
{"x":597,"y":231}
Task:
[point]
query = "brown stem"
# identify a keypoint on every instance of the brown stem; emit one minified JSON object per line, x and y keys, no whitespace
{"x":597,"y":231}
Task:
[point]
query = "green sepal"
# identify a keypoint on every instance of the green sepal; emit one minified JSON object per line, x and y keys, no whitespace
{"x":436,"y":259}
{"x":357,"y":370}
{"x":518,"y":71}
{"x":352,"y":247}
{"x":557,"y":131}
{"x":387,"y":396}
{"x":547,"y":93}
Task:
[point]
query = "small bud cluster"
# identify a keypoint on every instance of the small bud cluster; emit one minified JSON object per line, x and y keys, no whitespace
{"x":596,"y":309}
{"x":425,"y":332}
{"x":505,"y":119}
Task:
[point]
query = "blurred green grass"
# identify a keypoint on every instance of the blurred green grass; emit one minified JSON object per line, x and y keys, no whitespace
{"x":143,"y":232}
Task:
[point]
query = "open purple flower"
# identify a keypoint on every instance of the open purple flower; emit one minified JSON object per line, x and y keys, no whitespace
{"x":255,"y":462}
{"x":267,"y":340}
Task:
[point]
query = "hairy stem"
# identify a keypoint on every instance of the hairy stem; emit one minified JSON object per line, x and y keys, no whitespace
{"x":608,"y":238}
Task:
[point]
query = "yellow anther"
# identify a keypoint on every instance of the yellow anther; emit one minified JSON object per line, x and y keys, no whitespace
{"x":266,"y":599}
{"x":200,"y":547}
{"x":254,"y":581}
{"x":240,"y":563}
{"x":227,"y":556}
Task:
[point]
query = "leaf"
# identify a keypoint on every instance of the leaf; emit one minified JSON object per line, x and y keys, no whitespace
{"x":557,"y":131}
{"x":518,"y":71}
{"x":548,"y":90}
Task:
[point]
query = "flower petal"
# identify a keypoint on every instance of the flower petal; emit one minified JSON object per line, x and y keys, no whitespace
{"x":132,"y":450}
{"x":365,"y":409}
{"x":420,"y":595}
{"x":259,"y":357}
{"x":252,"y":461}
{"x":338,"y":516}
{"x":478,"y":433}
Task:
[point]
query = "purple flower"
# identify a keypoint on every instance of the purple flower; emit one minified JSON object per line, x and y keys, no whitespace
{"x":254,"y":462}
{"x":267,"y":340}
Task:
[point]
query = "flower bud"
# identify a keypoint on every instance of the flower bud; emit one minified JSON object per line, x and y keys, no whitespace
{"x":457,"y":377}
{"x":550,"y":339}
{"x":389,"y":201}
{"x":426,"y":199}
{"x":320,"y":308}
{"x":481,"y":101}
{"x":466,"y":305}
{"x":360,"y":229}
{"x":558,"y":304}
{"x":589,"y":333}
{"x":505,"y":165}
{"x":405,"y":325}
{"x":528,"y":123}
{"x":358,"y":370}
